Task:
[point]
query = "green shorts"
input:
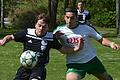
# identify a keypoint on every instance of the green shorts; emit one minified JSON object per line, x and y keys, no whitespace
{"x":94,"y":67}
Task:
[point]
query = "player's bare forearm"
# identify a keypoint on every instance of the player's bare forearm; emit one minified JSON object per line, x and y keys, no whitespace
{"x":107,"y":42}
{"x":6,"y":39}
{"x":68,"y":50}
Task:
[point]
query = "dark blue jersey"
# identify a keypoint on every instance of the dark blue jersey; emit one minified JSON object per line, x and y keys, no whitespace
{"x":41,"y":45}
{"x":83,"y":16}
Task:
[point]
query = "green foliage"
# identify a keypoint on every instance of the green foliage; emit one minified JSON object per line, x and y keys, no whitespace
{"x":106,"y":19}
{"x":60,"y":12}
{"x":102,"y":12}
{"x":7,"y":31}
{"x":9,"y":6}
{"x":24,"y":15}
{"x":24,"y":19}
{"x":22,"y":12}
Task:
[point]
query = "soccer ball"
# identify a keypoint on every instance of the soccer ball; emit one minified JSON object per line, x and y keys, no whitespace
{"x":71,"y":39}
{"x":28,"y":59}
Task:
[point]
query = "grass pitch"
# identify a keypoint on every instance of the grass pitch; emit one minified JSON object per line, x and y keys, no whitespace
{"x":10,"y":53}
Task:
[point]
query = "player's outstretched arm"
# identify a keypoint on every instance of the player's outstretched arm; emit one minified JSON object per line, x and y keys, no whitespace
{"x":6,"y":39}
{"x":107,"y":42}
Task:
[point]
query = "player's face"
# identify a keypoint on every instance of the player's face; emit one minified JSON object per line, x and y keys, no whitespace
{"x":70,"y":19}
{"x":41,"y":27}
{"x":80,"y":5}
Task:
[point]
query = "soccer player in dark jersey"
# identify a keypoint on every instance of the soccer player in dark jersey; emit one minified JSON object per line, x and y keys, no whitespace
{"x":83,"y":15}
{"x":41,"y":41}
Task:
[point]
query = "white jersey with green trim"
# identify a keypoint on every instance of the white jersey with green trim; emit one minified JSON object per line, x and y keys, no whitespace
{"x":88,"y":52}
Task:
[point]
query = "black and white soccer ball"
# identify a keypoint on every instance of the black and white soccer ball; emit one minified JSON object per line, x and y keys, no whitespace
{"x":28,"y":59}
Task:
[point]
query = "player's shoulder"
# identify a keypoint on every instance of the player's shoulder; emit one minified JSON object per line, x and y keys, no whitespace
{"x":89,"y":28}
{"x":59,"y":28}
{"x":49,"y":36}
{"x":20,"y":33}
{"x":86,"y":11}
{"x":31,"y":31}
{"x":83,"y":25}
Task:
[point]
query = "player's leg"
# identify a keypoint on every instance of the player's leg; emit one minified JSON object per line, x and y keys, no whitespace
{"x":38,"y":73}
{"x":73,"y":76}
{"x":22,"y":74}
{"x":74,"y":72}
{"x":98,"y":70}
{"x":104,"y":76}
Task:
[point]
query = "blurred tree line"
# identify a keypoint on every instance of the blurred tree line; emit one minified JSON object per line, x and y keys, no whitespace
{"x":22,"y":12}
{"x":103,"y":12}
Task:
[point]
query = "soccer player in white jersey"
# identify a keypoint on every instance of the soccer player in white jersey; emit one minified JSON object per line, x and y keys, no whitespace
{"x":41,"y":41}
{"x":86,"y":60}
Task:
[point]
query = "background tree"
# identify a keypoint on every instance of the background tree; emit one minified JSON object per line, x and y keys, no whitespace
{"x":2,"y":14}
{"x":25,"y":11}
{"x":69,"y":3}
{"x":118,"y":17}
{"x":21,"y":11}
{"x":53,"y":4}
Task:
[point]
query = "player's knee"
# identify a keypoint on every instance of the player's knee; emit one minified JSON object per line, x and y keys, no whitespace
{"x":72,"y":76}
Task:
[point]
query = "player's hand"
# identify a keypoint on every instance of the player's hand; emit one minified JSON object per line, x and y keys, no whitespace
{"x":2,"y":42}
{"x":115,"y":46}
{"x":80,"y":44}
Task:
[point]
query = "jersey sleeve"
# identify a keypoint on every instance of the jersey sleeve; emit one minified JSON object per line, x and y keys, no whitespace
{"x":56,"y":30}
{"x":88,"y":17}
{"x":95,"y":34}
{"x":56,"y":44}
{"x":20,"y":36}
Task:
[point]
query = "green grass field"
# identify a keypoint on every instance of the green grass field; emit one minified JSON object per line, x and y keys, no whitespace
{"x":10,"y":53}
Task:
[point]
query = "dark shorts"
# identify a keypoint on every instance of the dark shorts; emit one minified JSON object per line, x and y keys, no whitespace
{"x":94,"y":67}
{"x":38,"y":72}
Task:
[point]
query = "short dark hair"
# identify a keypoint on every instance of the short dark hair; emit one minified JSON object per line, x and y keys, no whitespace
{"x":71,"y":9}
{"x":80,"y":1}
{"x":43,"y":16}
